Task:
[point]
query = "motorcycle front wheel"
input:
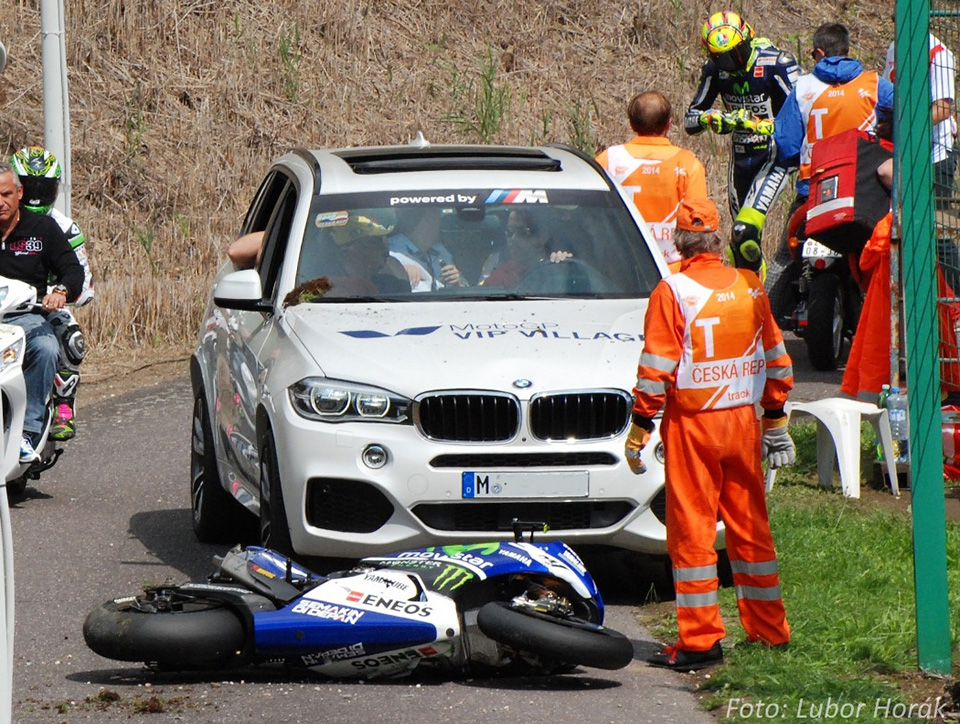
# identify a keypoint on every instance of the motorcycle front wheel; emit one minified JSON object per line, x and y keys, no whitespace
{"x":167,"y":628}
{"x":569,"y":640}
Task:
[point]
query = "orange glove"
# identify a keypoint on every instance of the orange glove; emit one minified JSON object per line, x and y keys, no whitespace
{"x":637,"y":439}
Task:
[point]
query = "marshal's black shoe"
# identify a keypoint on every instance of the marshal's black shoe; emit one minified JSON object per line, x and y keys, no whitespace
{"x":682,"y":660}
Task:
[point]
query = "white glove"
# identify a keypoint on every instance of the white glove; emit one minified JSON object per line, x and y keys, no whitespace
{"x":776,"y":445}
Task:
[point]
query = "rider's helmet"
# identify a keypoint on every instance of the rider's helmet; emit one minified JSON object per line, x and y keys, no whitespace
{"x":39,"y":172}
{"x":726,"y":38}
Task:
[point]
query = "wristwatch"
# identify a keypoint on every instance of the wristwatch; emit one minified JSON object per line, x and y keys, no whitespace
{"x":59,"y":289}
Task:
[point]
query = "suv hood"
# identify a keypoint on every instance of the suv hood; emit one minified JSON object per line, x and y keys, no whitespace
{"x":555,"y":344}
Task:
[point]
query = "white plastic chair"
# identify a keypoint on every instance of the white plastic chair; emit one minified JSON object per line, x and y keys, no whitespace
{"x":838,"y":438}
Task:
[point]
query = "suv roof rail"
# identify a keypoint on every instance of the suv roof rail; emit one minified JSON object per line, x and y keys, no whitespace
{"x":448,"y":158}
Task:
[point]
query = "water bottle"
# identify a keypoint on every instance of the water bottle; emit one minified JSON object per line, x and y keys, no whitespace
{"x":881,"y":403}
{"x":899,"y":425}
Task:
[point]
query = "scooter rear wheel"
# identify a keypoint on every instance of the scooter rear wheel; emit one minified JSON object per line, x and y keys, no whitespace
{"x":185,"y":632}
{"x":826,"y":316}
{"x":573,"y":641}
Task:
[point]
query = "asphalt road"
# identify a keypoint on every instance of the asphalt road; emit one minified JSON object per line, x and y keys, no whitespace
{"x":114,"y":514}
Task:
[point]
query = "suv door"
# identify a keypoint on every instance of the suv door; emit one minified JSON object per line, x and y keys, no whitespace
{"x":238,"y":366}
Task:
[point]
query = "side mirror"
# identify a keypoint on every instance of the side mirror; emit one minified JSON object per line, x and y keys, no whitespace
{"x":242,"y":290}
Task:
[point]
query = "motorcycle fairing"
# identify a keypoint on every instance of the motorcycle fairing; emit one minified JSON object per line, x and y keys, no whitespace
{"x":375,"y":608}
{"x":451,"y":568}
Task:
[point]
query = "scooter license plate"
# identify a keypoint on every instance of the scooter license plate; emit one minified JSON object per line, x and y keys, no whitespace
{"x":812,"y":247}
{"x":479,"y":484}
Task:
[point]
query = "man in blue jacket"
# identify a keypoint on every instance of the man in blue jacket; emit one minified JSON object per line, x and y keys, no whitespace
{"x":837,"y":96}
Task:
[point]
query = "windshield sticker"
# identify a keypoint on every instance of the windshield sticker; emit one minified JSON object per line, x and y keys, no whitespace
{"x":331,"y":218}
{"x":529,"y":330}
{"x":437,"y":199}
{"x":517,"y":196}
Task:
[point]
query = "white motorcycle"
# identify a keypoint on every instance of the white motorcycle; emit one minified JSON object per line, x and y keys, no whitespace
{"x":19,"y":297}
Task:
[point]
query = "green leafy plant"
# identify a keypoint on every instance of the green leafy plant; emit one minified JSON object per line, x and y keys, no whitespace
{"x":146,"y":236}
{"x":290,"y":56}
{"x":481,"y":104}
{"x":584,"y":135}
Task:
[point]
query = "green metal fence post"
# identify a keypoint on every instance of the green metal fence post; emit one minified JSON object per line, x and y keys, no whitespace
{"x":913,"y":142}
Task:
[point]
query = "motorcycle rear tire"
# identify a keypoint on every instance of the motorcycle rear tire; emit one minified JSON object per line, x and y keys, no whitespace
{"x":573,"y":641}
{"x":202,"y":634}
{"x":826,"y":319}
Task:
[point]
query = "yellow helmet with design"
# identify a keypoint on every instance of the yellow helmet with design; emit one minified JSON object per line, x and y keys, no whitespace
{"x":726,"y":38}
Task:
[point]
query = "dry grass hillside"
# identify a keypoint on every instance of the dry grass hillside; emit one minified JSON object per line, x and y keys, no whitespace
{"x":179,"y":106}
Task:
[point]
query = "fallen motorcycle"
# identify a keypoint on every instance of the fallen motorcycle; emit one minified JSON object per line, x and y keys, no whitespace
{"x":521,"y":607}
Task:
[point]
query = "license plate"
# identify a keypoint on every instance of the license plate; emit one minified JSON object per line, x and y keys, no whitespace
{"x":525,"y":485}
{"x":812,"y":247}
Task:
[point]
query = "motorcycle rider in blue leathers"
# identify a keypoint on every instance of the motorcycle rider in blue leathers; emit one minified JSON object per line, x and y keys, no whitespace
{"x":753,"y":79}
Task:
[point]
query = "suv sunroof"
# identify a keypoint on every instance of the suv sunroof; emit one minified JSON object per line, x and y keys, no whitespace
{"x":449,"y":159}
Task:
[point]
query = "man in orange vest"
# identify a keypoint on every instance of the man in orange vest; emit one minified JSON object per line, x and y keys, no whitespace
{"x":711,"y":352}
{"x":837,"y":96}
{"x":656,"y":174}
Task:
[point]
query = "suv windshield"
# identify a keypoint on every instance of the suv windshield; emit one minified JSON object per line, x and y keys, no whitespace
{"x":482,"y":244}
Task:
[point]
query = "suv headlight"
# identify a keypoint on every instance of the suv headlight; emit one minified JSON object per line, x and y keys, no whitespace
{"x":316,"y":398}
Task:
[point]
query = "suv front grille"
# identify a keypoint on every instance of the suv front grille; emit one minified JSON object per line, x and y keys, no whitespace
{"x":579,"y":415}
{"x":468,"y":417}
{"x":497,"y":517}
{"x":470,"y":461}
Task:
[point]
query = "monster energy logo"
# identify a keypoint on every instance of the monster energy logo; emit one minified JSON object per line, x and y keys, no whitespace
{"x":452,"y":576}
{"x":741,"y":88}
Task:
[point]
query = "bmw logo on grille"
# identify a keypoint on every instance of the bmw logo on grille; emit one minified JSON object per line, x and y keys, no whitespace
{"x":522,"y":384}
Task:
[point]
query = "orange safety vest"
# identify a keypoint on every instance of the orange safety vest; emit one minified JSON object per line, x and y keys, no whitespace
{"x":831,"y":109}
{"x":711,"y":343}
{"x":657,"y":175}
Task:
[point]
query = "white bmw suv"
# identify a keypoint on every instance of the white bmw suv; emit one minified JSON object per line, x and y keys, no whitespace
{"x":433,"y":341}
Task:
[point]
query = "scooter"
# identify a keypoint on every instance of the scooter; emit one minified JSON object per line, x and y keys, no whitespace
{"x":829,"y":303}
{"x":19,"y":297}
{"x":521,"y":607}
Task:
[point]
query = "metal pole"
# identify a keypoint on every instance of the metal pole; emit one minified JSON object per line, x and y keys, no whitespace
{"x":56,"y":136}
{"x":918,"y":253}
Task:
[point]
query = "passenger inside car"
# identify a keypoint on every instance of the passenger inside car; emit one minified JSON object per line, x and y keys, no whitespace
{"x":529,"y":243}
{"x":417,"y":246}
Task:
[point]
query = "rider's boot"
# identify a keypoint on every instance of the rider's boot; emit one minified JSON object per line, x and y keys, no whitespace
{"x":64,"y":402}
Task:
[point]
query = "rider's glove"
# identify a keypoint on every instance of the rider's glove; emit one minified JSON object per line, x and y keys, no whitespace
{"x":744,"y":250}
{"x":776,"y":444}
{"x":637,"y":439}
{"x":764,"y":127}
{"x":717,"y":122}
{"x":745,"y":120}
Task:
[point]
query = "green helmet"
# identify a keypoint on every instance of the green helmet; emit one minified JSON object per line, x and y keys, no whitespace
{"x":39,"y":172}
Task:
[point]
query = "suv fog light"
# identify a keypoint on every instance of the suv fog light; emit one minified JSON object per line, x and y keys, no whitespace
{"x":374,"y":456}
{"x":658,"y":453}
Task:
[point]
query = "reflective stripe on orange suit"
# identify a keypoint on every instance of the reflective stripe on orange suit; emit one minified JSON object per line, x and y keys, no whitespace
{"x":658,"y":176}
{"x":707,"y":376}
{"x":868,"y":364}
